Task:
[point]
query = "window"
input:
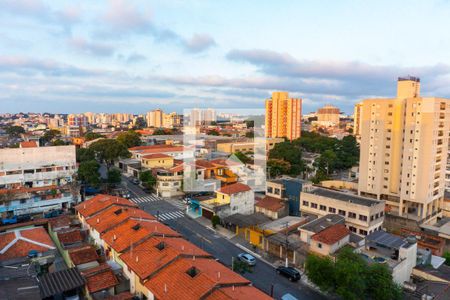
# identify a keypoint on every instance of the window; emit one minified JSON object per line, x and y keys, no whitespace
{"x":305,"y":203}
{"x":351,"y":215}
{"x":319,"y":245}
{"x":269,"y":189}
{"x":314,"y":205}
{"x":362,"y":218}
{"x":323,"y":207}
{"x":342,"y":212}
{"x":363,"y":232}
{"x":332,"y":210}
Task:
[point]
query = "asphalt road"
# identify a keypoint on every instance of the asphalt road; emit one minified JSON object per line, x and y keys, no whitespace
{"x":263,"y":275}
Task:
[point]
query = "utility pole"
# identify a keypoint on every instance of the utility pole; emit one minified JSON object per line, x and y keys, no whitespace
{"x":286,"y":225}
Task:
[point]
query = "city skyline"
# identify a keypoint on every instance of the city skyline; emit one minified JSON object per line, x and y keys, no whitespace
{"x":119,"y":56}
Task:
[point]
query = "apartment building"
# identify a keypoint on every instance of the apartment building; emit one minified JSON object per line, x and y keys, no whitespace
{"x":404,"y":147}
{"x":362,"y":215}
{"x":249,"y":146}
{"x":283,"y":116}
{"x":154,"y":118}
{"x":35,"y":179}
{"x":328,"y":115}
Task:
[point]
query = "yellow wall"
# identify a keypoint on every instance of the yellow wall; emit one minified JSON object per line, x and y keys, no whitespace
{"x":158,"y":162}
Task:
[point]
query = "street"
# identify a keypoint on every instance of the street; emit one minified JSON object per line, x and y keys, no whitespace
{"x":172,"y":213}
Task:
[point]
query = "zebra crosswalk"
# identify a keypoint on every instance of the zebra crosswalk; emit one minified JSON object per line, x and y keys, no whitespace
{"x":147,"y":198}
{"x":171,"y":215}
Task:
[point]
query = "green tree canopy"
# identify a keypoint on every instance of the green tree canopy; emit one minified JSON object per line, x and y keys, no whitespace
{"x":49,"y":135}
{"x":213,"y":132}
{"x":114,"y":176}
{"x":85,"y":154}
{"x":89,"y":136}
{"x":109,"y":150}
{"x":88,"y":173}
{"x":14,"y":131}
{"x":58,"y":142}
{"x":242,"y":157}
{"x":148,"y":180}
{"x":278,"y":167}
{"x":139,"y":123}
{"x":130,"y":138}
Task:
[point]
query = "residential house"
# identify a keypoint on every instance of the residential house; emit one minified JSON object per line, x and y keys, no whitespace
{"x":272,"y":207}
{"x":329,"y":240}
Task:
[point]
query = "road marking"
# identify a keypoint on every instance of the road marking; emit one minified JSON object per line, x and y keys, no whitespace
{"x":171,"y":215}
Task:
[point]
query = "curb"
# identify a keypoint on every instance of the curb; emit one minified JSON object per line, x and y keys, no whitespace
{"x":253,"y":253}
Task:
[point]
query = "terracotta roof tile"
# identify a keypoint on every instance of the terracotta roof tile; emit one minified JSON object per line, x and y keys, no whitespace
{"x":234,"y":188}
{"x":332,"y":234}
{"x":238,"y":293}
{"x":101,"y":202}
{"x":100,"y":278}
{"x":18,"y":243}
{"x":28,"y":144}
{"x":173,"y":282}
{"x":131,"y":231}
{"x":121,"y":296}
{"x":83,"y":255}
{"x":60,"y":221}
{"x":156,"y":155}
{"x":114,"y":215}
{"x":70,"y":236}
{"x":155,"y":252}
{"x":270,"y":203}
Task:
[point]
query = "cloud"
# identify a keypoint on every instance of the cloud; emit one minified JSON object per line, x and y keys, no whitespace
{"x":124,"y":17}
{"x":32,"y":66}
{"x":91,"y":48}
{"x":199,"y":42}
{"x":283,"y":64}
{"x":25,"y":7}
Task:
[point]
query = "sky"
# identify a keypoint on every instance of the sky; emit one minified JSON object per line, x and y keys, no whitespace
{"x":134,"y":56}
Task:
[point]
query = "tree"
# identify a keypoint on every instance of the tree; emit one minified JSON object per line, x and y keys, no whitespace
{"x":58,"y":142}
{"x":290,"y":152}
{"x":148,"y":180}
{"x":160,"y":131}
{"x":250,"y":123}
{"x":130,"y":138}
{"x":213,"y":132}
{"x":350,"y":271}
{"x":278,"y":167}
{"x":242,"y":157}
{"x":380,"y":285}
{"x":215,"y":220}
{"x":89,"y":136}
{"x":326,"y":161}
{"x":114,"y":176}
{"x":447,"y":257}
{"x":49,"y":135}
{"x":139,"y":123}
{"x":250,"y":134}
{"x":14,"y":131}
{"x":85,"y":154}
{"x":320,"y":271}
{"x":88,"y":173}
{"x":109,"y":150}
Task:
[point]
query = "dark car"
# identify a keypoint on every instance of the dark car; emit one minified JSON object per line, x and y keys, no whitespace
{"x":291,"y":273}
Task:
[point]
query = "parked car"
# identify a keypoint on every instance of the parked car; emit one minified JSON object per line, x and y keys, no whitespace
{"x":288,"y":297}
{"x":52,"y":213}
{"x":134,"y":181}
{"x":291,"y":273}
{"x":10,"y":220}
{"x":247,"y":258}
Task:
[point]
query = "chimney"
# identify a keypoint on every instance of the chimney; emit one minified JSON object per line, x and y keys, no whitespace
{"x":98,"y":220}
{"x":165,"y":288}
{"x":218,"y":275}
{"x":137,"y":258}
{"x":114,"y":237}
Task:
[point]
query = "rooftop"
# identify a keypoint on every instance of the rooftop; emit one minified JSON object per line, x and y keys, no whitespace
{"x":29,"y":144}
{"x":234,"y":188}
{"x":70,"y":236}
{"x":17,"y":243}
{"x":189,"y":278}
{"x":152,"y":254}
{"x":156,"y":156}
{"x":271,"y":203}
{"x":100,"y":278}
{"x":238,"y":292}
{"x":346,"y":197}
{"x":246,"y":220}
{"x":83,"y":255}
{"x":385,"y":239}
{"x":323,"y":223}
{"x":332,"y":234}
{"x":100,"y":202}
{"x":51,"y":284}
{"x":288,"y":222}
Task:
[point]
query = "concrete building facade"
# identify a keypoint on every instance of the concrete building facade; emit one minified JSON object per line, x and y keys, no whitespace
{"x":283,"y":116}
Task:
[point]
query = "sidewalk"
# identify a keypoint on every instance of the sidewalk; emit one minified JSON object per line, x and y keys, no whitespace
{"x":219,"y":229}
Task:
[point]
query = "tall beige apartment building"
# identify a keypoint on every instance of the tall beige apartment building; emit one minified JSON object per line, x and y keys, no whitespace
{"x":154,"y":118}
{"x":283,"y":116}
{"x":404,"y":144}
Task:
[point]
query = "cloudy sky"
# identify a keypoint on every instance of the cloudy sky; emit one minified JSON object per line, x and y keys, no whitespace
{"x":132,"y":56}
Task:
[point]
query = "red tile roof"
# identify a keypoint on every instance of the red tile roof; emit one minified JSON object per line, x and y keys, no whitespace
{"x":114,"y":215}
{"x":173,"y":282}
{"x":121,"y":296}
{"x":204,"y":164}
{"x":18,"y":243}
{"x":100,"y":278}
{"x":157,"y":149}
{"x":28,"y":144}
{"x":234,"y":188}
{"x":101,"y":202}
{"x":83,"y":255}
{"x":238,"y":293}
{"x":60,"y":221}
{"x":70,"y":236}
{"x":131,"y":231}
{"x":146,"y":258}
{"x":270,"y":203}
{"x":225,"y":162}
{"x":156,"y":155}
{"x":332,"y":234}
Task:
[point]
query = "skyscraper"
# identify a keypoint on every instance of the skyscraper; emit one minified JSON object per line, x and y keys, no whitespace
{"x":283,"y":116}
{"x":404,"y":144}
{"x":154,"y":118}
